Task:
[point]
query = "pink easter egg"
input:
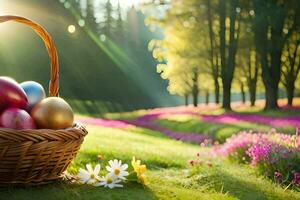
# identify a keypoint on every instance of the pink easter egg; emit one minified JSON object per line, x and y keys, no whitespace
{"x":12,"y":94}
{"x":15,"y":118}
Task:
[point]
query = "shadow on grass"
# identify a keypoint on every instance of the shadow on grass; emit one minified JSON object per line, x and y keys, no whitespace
{"x":65,"y":191}
{"x":244,"y":186}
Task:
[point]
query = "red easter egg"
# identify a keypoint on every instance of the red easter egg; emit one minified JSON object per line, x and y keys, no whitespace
{"x":11,"y":94}
{"x":16,"y":118}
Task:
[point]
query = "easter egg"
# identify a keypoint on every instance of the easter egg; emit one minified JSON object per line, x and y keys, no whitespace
{"x":34,"y":91}
{"x":11,"y":94}
{"x":16,"y":118}
{"x":53,"y":113}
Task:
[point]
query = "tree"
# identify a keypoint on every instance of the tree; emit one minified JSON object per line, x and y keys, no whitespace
{"x":228,"y":48}
{"x":214,"y":55}
{"x":90,"y":16}
{"x":252,"y":75}
{"x":291,"y":66}
{"x":274,"y":22}
{"x":119,"y":24}
{"x":247,"y":72}
{"x":108,"y":19}
{"x":184,"y":51}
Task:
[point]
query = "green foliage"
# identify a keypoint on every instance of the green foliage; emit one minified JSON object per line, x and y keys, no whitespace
{"x":181,"y":55}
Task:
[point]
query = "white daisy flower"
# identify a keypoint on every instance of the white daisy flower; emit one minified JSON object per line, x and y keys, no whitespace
{"x":89,"y":176}
{"x":117,"y":170}
{"x":110,"y":182}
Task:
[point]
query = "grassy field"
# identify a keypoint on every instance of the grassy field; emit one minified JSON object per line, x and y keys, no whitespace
{"x":168,"y":174}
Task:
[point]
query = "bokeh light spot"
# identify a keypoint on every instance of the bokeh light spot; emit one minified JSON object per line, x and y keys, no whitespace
{"x":81,"y":23}
{"x":71,"y":29}
{"x":67,"y":5}
{"x":102,"y":37}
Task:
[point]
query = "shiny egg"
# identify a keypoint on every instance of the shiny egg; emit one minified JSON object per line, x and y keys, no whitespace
{"x":15,"y":118}
{"x":11,"y":94}
{"x":34,"y":91}
{"x":53,"y":113}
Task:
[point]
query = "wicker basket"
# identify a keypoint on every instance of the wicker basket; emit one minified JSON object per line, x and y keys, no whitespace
{"x":32,"y":157}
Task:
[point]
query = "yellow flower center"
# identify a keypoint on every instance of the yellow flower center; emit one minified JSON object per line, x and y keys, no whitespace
{"x":109,"y":180}
{"x":92,"y":176}
{"x":117,"y":171}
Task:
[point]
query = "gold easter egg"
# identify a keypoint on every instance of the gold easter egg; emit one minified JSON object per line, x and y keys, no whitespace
{"x":53,"y":113}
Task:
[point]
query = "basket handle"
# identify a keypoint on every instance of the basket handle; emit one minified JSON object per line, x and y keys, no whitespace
{"x":54,"y":80}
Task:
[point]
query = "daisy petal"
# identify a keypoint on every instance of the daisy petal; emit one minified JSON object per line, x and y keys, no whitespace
{"x":124,"y":167}
{"x":108,"y":168}
{"x":83,"y":172}
{"x":118,"y":185}
{"x":100,"y":184}
{"x":124,"y":173}
{"x":116,"y":162}
{"x":97,"y":169}
{"x":89,"y":168}
{"x":117,"y":181}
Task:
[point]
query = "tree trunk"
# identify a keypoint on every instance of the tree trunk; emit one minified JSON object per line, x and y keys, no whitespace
{"x":195,"y":99}
{"x":217,"y":92}
{"x":291,"y":74}
{"x":252,"y":80}
{"x":206,"y":97}
{"x":243,"y":95}
{"x":195,"y":89}
{"x":269,"y":44}
{"x":228,"y":51}
{"x":290,"y":94}
{"x":186,"y":100}
{"x":213,"y":54}
{"x":271,"y":97}
{"x":252,"y":92}
{"x":226,"y":95}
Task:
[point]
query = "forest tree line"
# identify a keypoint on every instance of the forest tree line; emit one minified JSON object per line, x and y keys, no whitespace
{"x":221,"y":46}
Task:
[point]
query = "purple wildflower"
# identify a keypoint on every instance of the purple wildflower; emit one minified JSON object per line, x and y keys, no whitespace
{"x":278,"y":176}
{"x":259,"y":152}
{"x":296,"y":178}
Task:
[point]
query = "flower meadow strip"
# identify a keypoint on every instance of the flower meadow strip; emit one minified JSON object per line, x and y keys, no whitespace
{"x":146,"y":122}
{"x":183,"y":136}
{"x":105,"y":122}
{"x":272,"y":121}
{"x":274,"y":155}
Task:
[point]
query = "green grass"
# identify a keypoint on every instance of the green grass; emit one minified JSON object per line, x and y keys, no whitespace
{"x":219,"y":131}
{"x":168,"y":174}
{"x":240,"y":181}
